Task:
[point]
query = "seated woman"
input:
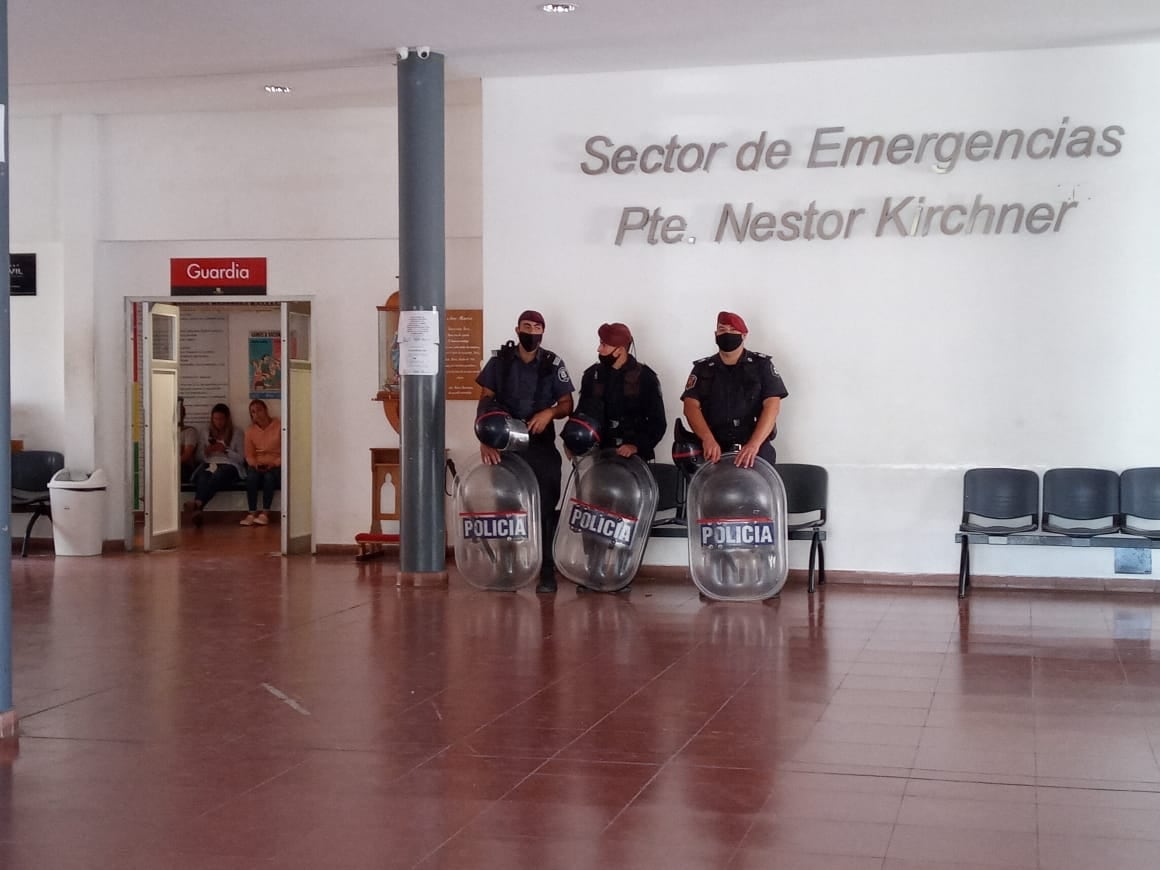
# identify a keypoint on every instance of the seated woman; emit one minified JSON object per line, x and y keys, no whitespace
{"x":263,"y":462}
{"x":222,"y":457}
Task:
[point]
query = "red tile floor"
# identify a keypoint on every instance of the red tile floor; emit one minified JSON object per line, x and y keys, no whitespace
{"x":213,"y":708}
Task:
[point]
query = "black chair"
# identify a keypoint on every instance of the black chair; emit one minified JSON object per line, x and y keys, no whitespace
{"x":1140,"y":500}
{"x":994,"y":499}
{"x":1083,"y":495}
{"x":670,"y":492}
{"x":806,"y":492}
{"x":31,"y":472}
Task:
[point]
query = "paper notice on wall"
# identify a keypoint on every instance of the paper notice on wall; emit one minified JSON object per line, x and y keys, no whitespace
{"x":419,"y":342}
{"x":419,"y":358}
{"x":205,"y":365}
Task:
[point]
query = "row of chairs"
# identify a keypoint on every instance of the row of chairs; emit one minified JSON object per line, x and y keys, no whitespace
{"x":806,"y":494}
{"x":1077,"y":502}
{"x":1091,"y":507}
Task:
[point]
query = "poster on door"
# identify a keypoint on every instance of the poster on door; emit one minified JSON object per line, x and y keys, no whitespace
{"x":266,"y":365}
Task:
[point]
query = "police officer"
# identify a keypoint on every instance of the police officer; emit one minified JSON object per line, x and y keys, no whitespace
{"x":732,"y":398}
{"x":623,"y":395}
{"x":531,"y":383}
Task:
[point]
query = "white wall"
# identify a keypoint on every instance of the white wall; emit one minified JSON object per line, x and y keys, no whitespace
{"x":37,"y":321}
{"x":907,"y":359}
{"x":315,"y":192}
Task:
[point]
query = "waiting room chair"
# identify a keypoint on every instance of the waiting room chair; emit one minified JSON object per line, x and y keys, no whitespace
{"x":1140,"y":500}
{"x":1083,"y":495}
{"x":806,"y":493}
{"x":31,"y":472}
{"x":994,"y":502}
{"x":670,"y":492}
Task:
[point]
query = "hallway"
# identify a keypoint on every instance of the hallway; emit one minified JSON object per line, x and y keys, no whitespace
{"x":212,"y":710}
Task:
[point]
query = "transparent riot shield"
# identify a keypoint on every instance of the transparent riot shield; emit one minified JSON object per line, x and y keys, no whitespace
{"x":738,"y":549}
{"x":604,"y":525}
{"x":497,"y":535}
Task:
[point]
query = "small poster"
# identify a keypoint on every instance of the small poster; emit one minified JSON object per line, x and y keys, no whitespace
{"x":22,"y":274}
{"x":266,"y":365}
{"x":418,"y":336}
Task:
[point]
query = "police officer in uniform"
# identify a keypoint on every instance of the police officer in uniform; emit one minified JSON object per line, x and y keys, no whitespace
{"x":532,"y":384}
{"x":732,"y":398}
{"x":623,"y":395}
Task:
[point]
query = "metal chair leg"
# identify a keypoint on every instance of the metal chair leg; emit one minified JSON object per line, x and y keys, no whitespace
{"x":821,"y":559}
{"x":964,"y":569}
{"x":36,"y":514}
{"x":813,"y":586}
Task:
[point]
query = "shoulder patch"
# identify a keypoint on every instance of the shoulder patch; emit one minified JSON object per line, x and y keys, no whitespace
{"x":691,"y":382}
{"x":561,"y":372}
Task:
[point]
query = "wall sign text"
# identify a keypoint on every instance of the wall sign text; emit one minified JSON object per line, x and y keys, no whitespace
{"x":897,"y":215}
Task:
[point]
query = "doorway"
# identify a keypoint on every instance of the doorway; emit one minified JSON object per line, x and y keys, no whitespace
{"x":192,"y":354}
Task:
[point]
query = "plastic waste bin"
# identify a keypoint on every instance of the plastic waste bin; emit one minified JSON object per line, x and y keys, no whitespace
{"x":78,"y":511}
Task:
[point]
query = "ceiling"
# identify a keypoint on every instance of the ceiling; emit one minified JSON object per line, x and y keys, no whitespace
{"x":157,"y":55}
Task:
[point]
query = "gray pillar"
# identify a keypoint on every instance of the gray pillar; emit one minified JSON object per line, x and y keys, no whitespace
{"x":422,"y":287}
{"x":7,"y":714}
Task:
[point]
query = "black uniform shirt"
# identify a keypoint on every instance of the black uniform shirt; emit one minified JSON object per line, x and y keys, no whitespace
{"x":731,"y":397}
{"x":527,"y":387}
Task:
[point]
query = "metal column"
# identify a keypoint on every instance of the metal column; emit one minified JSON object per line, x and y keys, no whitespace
{"x":7,"y":713}
{"x":422,"y":288}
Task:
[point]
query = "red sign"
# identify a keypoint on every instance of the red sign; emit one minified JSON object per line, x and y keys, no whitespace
{"x":218,"y":276}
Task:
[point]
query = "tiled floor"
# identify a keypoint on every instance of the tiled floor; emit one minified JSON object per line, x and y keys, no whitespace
{"x":217,"y":708}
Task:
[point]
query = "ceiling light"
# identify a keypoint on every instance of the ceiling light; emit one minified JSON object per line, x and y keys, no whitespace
{"x":558,"y":8}
{"x":278,"y":89}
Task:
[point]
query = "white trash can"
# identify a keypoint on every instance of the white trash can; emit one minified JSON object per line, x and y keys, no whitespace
{"x":78,"y":512}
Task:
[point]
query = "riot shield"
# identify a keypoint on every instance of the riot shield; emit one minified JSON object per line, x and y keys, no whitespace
{"x":604,"y":525}
{"x":738,"y":548}
{"x":497,"y":535}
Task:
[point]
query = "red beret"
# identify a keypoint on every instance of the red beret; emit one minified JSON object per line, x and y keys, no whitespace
{"x":533,"y":316}
{"x":615,"y":334}
{"x":728,"y":318}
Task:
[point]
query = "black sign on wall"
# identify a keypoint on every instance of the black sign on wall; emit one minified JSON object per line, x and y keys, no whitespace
{"x":22,"y":274}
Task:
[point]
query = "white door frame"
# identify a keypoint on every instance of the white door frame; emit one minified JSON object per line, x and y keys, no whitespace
{"x":127,"y":422}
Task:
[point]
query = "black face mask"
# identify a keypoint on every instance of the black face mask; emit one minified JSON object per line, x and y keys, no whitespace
{"x":530,"y":340}
{"x":729,"y":341}
{"x":606,"y":359}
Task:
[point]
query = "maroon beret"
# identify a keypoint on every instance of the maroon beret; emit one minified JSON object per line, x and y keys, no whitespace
{"x":728,"y":318}
{"x":533,"y":316}
{"x":615,"y":334}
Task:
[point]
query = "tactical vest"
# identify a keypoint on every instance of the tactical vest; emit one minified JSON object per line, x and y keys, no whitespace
{"x":730,"y":430}
{"x":619,"y":429}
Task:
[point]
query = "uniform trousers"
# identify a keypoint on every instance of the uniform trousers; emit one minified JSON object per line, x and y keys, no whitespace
{"x":544,"y":459}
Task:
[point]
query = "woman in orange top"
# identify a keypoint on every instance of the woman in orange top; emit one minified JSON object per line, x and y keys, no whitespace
{"x":263,"y":462}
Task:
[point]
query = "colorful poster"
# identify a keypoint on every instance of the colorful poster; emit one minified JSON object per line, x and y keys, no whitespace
{"x":266,"y":365}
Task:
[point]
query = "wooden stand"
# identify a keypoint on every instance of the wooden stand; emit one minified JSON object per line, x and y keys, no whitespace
{"x":385,"y":465}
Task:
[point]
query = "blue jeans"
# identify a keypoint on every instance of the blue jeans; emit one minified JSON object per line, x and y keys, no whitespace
{"x":208,"y":482}
{"x":268,"y":481}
